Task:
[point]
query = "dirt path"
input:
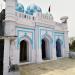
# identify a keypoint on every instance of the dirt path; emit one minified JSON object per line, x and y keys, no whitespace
{"x":64,"y":66}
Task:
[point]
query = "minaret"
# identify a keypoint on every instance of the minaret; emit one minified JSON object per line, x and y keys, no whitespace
{"x":10,"y":17}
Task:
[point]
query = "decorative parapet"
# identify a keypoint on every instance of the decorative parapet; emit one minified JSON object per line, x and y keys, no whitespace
{"x":25,"y":19}
{"x":24,"y":16}
{"x":44,"y":16}
{"x":38,"y":17}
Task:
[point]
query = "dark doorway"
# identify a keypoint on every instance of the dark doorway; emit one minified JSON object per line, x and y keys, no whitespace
{"x":58,"y":48}
{"x":1,"y":55}
{"x":43,"y":49}
{"x":23,"y":51}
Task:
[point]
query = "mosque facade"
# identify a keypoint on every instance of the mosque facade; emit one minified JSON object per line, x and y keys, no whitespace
{"x":31,"y":36}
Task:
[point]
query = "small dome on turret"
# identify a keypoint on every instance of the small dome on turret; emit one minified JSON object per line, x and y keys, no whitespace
{"x":20,"y":7}
{"x":33,"y":9}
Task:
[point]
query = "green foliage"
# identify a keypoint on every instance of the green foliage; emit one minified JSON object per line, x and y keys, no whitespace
{"x":72,"y":46}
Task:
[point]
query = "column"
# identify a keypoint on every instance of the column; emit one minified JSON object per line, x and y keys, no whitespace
{"x":66,"y":44}
{"x":54,"y":57}
{"x":6,"y":56}
{"x":38,"y":50}
{"x":54,"y":53}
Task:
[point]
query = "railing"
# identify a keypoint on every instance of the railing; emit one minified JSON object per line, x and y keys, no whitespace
{"x":38,"y":16}
{"x":44,"y":16}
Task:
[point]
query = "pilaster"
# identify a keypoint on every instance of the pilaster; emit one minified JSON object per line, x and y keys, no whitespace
{"x":6,"y":56}
{"x":66,"y":44}
{"x":38,"y":49}
{"x":10,"y":17}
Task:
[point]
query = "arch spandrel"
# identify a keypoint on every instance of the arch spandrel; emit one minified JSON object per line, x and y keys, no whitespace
{"x":60,"y":40}
{"x":26,"y":38}
{"x":48,"y":37}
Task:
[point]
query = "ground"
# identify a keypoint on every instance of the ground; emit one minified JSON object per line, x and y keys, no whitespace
{"x":65,"y":66}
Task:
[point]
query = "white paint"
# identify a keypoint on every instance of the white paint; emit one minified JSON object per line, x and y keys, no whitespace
{"x":6,"y":56}
{"x":15,"y":21}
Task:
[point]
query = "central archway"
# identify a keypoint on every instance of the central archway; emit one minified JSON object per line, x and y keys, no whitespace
{"x":23,"y":51}
{"x":45,"y":49}
{"x":58,"y":48}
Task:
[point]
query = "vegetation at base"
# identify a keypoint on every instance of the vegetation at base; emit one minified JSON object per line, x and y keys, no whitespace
{"x":72,"y":46}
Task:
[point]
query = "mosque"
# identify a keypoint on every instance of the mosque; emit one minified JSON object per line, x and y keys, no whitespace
{"x":29,"y":36}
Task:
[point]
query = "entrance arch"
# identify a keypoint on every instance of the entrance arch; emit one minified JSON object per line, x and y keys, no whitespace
{"x":58,"y":48}
{"x":45,"y":49}
{"x":24,"y":51}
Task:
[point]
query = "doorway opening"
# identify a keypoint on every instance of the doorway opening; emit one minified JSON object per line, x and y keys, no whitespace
{"x":45,"y":49}
{"x":58,"y":48}
{"x":23,"y":51}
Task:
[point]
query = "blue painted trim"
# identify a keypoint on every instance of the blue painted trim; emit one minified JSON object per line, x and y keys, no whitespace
{"x":54,"y":34}
{"x":44,"y":29}
{"x":59,"y":34}
{"x":24,"y":30}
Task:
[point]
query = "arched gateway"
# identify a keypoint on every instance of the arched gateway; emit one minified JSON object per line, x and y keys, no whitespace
{"x":58,"y":48}
{"x":44,"y":56}
{"x":46,"y":48}
{"x":23,"y":51}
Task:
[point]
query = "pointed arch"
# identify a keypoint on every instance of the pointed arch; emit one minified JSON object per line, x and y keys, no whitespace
{"x":59,"y":47}
{"x":46,"y":47}
{"x":25,"y":49}
{"x":46,"y":36}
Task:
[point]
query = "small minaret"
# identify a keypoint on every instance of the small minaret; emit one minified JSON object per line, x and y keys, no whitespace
{"x":10,"y":17}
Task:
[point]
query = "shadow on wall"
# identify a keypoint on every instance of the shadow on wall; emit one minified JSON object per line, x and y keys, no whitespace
{"x":2,"y":24}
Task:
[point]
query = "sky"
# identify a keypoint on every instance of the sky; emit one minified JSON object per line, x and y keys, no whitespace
{"x":59,"y":8}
